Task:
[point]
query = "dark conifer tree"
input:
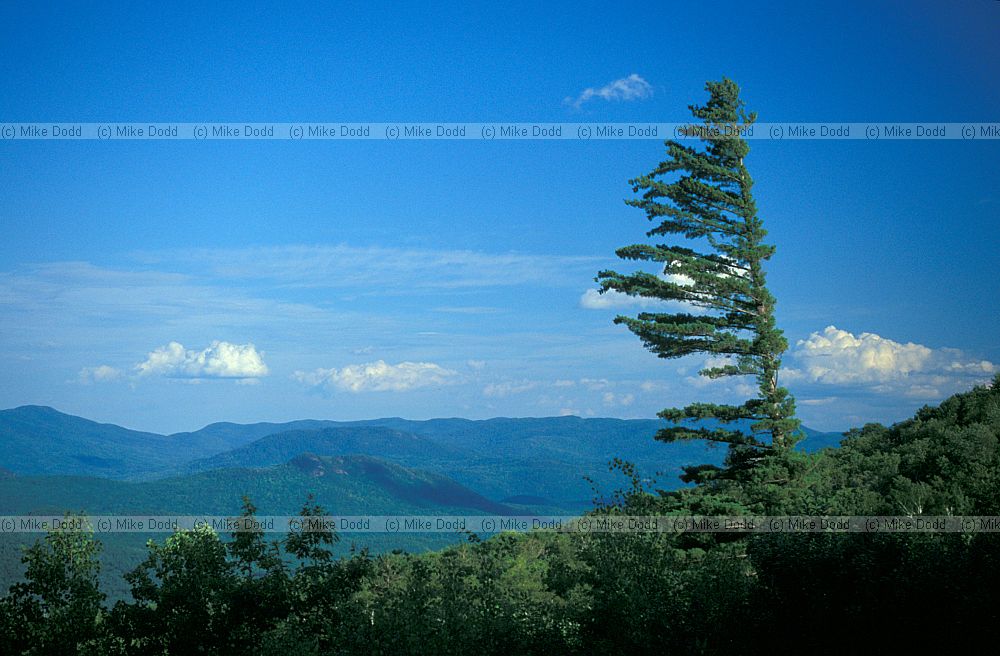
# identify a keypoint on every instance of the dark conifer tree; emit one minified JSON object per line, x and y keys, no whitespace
{"x":703,"y":195}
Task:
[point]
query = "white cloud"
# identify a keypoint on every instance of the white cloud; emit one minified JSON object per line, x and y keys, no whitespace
{"x":219,"y":360}
{"x":826,"y":400}
{"x":475,"y":364}
{"x":100,"y":374}
{"x":838,"y":357}
{"x":380,"y":377}
{"x":923,"y":392}
{"x":612,"y":399}
{"x":592,"y":299}
{"x":595,"y":300}
{"x":81,"y":297}
{"x":504,"y":389}
{"x":628,"y":88}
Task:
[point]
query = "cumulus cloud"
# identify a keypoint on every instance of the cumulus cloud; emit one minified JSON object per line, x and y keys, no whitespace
{"x":219,"y":360}
{"x":628,"y":88}
{"x":838,"y":357}
{"x":380,"y":377}
{"x":100,"y":374}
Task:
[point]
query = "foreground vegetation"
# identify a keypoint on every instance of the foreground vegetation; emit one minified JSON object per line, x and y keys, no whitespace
{"x":544,"y":593}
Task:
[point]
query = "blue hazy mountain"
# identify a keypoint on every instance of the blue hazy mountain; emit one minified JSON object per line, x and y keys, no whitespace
{"x":40,"y":440}
{"x":499,"y":458}
{"x":345,"y":485}
{"x":280,"y":445}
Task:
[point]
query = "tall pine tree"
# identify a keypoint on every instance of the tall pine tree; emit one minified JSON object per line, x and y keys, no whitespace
{"x":703,"y":194}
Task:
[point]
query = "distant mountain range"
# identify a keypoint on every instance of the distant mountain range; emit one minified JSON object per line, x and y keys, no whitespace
{"x":541,"y":458}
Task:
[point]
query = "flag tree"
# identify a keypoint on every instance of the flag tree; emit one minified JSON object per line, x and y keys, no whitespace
{"x":700,"y":200}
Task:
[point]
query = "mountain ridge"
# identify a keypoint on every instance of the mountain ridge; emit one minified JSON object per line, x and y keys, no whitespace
{"x":545,"y":457}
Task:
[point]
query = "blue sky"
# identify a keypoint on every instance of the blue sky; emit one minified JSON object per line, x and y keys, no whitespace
{"x":166,"y":285}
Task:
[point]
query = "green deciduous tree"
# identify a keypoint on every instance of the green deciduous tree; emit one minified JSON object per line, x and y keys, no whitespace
{"x":57,"y":609}
{"x":182,"y":593}
{"x":703,"y":195}
{"x":321,"y":587}
{"x":259,"y":596}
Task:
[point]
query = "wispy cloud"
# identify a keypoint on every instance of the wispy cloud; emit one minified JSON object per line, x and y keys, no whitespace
{"x":610,"y":399}
{"x":385,"y":269}
{"x":825,"y":400}
{"x":628,"y":88}
{"x":469,"y":309}
{"x":503,"y":389}
{"x":379,"y":377}
{"x":50,"y":293}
